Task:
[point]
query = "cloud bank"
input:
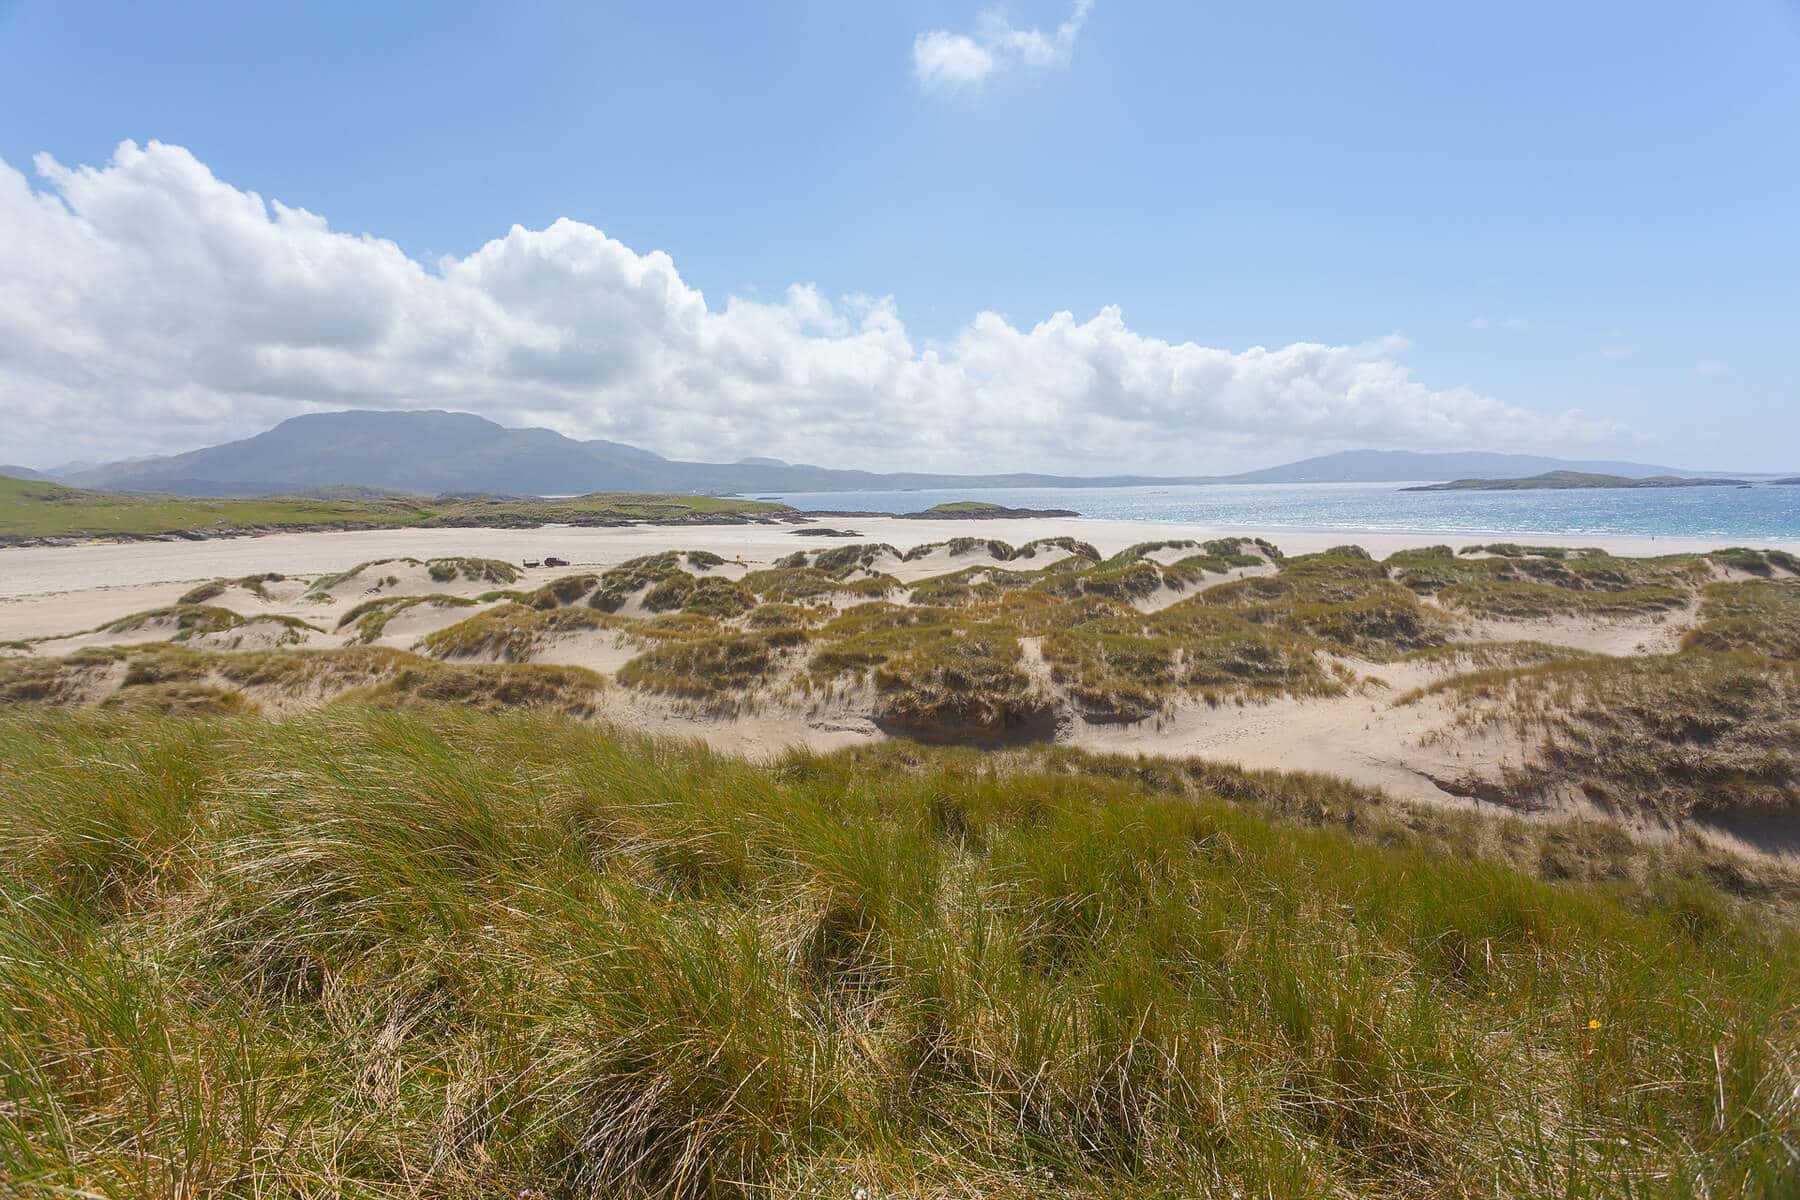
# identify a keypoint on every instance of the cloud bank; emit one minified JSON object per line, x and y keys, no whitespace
{"x":949,"y":61}
{"x":147,"y":306}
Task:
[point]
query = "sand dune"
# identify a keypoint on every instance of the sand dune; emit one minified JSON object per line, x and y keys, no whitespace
{"x":39,"y":570}
{"x":414,"y":590}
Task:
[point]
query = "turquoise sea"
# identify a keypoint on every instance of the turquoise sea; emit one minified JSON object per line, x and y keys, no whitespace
{"x":1765,"y":512}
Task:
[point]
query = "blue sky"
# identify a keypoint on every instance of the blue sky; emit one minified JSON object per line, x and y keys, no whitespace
{"x":1557,"y":208}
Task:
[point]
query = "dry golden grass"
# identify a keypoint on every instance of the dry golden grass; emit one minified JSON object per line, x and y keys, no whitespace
{"x":511,"y":632}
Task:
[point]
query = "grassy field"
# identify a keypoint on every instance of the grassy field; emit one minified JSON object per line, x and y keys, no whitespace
{"x":31,"y":509}
{"x":449,"y":954}
{"x":598,"y":508}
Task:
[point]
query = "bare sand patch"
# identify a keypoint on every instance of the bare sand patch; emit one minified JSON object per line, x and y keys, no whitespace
{"x":601,"y":650}
{"x":49,"y":614}
{"x":416,"y":620}
{"x":1360,"y":736}
{"x":1660,"y":634}
{"x":262,"y":634}
{"x":87,"y":639}
{"x":760,"y":735}
{"x":1168,"y":593}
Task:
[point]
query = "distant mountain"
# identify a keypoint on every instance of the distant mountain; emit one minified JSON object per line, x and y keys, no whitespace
{"x":426,"y":452}
{"x":1399,"y":466}
{"x":20,"y":472}
{"x":68,"y":468}
{"x":76,"y":466}
{"x":434,"y":452}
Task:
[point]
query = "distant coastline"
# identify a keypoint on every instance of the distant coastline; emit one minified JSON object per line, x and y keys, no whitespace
{"x":1723,"y":515}
{"x":42,"y":513}
{"x":1572,"y":480}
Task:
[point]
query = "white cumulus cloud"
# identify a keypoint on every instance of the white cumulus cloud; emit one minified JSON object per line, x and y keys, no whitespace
{"x":147,"y":306}
{"x":950,"y":60}
{"x":946,"y":60}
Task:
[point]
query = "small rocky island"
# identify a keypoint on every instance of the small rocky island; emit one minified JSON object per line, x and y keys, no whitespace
{"x":980,"y":510}
{"x":1564,"y":480}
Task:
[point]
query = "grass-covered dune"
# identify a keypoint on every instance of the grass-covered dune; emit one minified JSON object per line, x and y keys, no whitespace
{"x":31,"y":510}
{"x":997,"y":645}
{"x":452,"y":954}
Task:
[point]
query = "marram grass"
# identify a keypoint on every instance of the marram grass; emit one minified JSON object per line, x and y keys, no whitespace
{"x":452,"y":954}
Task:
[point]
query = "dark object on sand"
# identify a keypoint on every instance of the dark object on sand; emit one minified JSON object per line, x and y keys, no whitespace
{"x":823,"y":531}
{"x":550,"y":560}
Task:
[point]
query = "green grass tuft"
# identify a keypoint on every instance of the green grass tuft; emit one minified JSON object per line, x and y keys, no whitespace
{"x":1755,"y":616}
{"x":711,"y":667}
{"x":509,"y":632}
{"x":450,"y":954}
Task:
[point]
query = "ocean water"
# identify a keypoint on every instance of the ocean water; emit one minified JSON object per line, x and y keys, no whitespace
{"x":1765,"y":512}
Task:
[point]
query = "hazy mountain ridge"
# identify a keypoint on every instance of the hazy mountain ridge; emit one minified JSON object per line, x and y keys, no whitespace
{"x":432,"y":452}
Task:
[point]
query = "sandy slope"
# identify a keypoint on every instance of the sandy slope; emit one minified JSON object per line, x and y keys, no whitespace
{"x":1660,"y":634}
